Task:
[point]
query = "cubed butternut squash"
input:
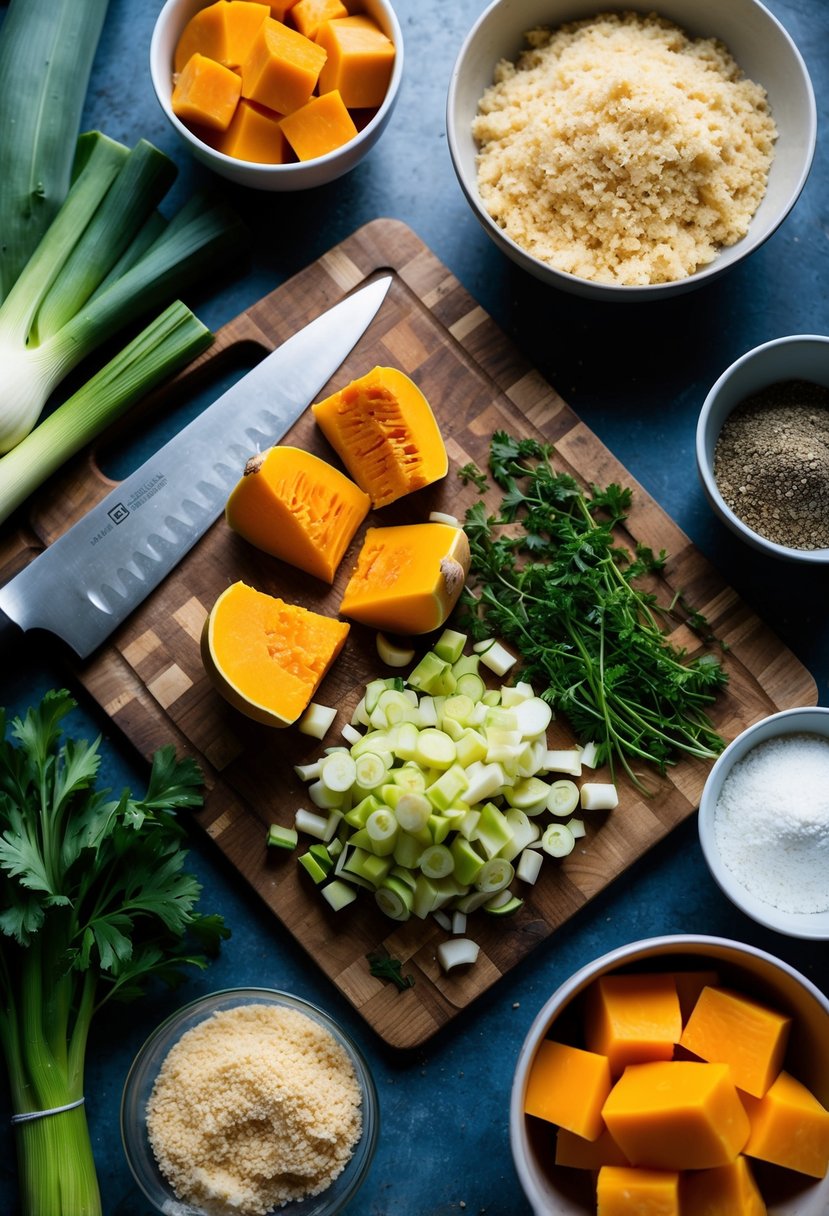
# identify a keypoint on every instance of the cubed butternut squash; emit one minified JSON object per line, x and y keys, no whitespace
{"x":320,"y":126}
{"x":789,"y":1127}
{"x":359,"y":62}
{"x":254,"y":134}
{"x":282,"y":67}
{"x":293,"y":505}
{"x":206,"y":93}
{"x":244,"y":17}
{"x":205,"y":33}
{"x":383,"y":429}
{"x":408,"y":578}
{"x":576,"y":1152}
{"x":567,"y":1086}
{"x":308,"y":15}
{"x":676,"y":1115}
{"x":281,"y":8}
{"x":689,"y":984}
{"x":265,"y":656}
{"x":730,"y":1028}
{"x":728,"y":1190}
{"x":632,"y":1018}
{"x":624,"y":1191}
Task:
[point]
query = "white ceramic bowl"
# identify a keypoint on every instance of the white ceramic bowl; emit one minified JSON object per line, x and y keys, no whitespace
{"x":798,"y":357}
{"x":558,"y":1191}
{"x":145,"y":1069}
{"x":807,"y":720}
{"x":299,"y":176}
{"x":761,"y":47}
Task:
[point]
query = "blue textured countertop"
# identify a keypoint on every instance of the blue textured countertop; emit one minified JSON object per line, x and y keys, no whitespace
{"x":637,"y":377}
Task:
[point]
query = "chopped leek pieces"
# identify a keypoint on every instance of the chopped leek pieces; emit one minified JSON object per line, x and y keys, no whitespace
{"x":95,"y":903}
{"x":549,"y":577}
{"x":106,"y":260}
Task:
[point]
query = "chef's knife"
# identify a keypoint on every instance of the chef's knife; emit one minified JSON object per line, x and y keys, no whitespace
{"x":90,"y":579}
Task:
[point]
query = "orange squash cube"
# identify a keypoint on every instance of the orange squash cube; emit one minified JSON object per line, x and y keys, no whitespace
{"x":254,"y":134}
{"x":726,"y":1027}
{"x":359,"y":62}
{"x":320,"y":126}
{"x":568,"y":1086}
{"x":281,"y":8}
{"x":282,"y":68}
{"x":581,"y":1154}
{"x":243,"y":21}
{"x":676,"y":1115}
{"x":632,"y":1018}
{"x":622,"y":1190}
{"x":204,"y":34}
{"x":308,"y":15}
{"x":206,"y":93}
{"x":789,"y":1127}
{"x":728,"y":1190}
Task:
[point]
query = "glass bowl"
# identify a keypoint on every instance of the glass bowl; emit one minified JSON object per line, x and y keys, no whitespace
{"x":148,"y":1062}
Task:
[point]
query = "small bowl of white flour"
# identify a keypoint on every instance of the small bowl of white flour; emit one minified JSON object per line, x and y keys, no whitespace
{"x":764,"y":822}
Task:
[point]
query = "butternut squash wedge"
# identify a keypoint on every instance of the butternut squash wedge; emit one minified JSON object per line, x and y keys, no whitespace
{"x":633,"y":1018}
{"x":360,"y":60}
{"x":282,"y":67}
{"x":568,"y":1086}
{"x":318,"y":127}
{"x":267,"y":657}
{"x":734,"y":1029}
{"x":296,"y":507}
{"x":622,"y":1190}
{"x":383,"y":429}
{"x":789,"y":1127}
{"x":729,"y":1190}
{"x":206,"y":93}
{"x":408,"y":578}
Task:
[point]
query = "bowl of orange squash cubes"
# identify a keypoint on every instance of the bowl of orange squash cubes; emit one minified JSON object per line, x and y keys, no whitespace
{"x":284,"y":95}
{"x":676,"y":1076}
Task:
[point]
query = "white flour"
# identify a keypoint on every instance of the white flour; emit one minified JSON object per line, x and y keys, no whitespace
{"x":771,"y":822}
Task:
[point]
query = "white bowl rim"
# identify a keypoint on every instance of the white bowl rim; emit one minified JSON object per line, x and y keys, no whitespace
{"x":811,"y":926}
{"x":295,"y":167}
{"x":706,"y":472}
{"x":641,"y":291}
{"x":679,"y":943}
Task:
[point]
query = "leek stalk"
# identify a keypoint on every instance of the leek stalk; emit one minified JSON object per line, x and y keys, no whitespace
{"x":163,"y":347}
{"x":84,"y":283}
{"x":46,"y":53}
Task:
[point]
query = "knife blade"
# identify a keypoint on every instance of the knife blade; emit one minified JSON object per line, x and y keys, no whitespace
{"x":90,"y":579}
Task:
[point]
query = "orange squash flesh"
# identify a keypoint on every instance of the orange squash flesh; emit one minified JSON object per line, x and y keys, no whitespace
{"x":244,"y":17}
{"x":577,"y":1153}
{"x":789,"y":1127}
{"x":689,"y":985}
{"x":282,"y":68}
{"x":383,"y":429}
{"x":729,"y":1028}
{"x":567,"y":1086}
{"x":206,"y":93}
{"x":359,"y":62}
{"x":308,"y":15}
{"x":320,"y":126}
{"x":624,"y":1191}
{"x":677,"y":1115}
{"x":254,"y":134}
{"x":729,"y":1190}
{"x":205,"y":33}
{"x":267,"y":657}
{"x":408,"y":578}
{"x":296,"y":507}
{"x":632,"y":1019}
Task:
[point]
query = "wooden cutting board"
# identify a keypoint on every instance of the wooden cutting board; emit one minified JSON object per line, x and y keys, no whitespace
{"x":149,"y":679}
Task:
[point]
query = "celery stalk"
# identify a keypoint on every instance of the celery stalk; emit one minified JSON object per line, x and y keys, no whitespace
{"x":169,"y":342}
{"x":46,"y":53}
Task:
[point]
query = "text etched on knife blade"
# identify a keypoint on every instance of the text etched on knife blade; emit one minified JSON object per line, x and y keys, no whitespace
{"x":122,"y":510}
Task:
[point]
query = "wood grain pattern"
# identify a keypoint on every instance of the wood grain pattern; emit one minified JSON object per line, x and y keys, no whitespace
{"x":149,"y":678}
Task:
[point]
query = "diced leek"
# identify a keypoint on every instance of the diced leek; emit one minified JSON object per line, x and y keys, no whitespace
{"x":394,"y":898}
{"x":558,"y":840}
{"x":317,"y":720}
{"x":495,"y":656}
{"x":468,"y":861}
{"x":590,"y":754}
{"x":382,"y":829}
{"x":495,"y":875}
{"x":457,"y":952}
{"x":313,"y":868}
{"x":281,"y":837}
{"x":534,"y":716}
{"x":529,"y":865}
{"x":527,"y":793}
{"x":503,"y":904}
{"x":442,"y":517}
{"x":598,"y":796}
{"x":308,"y":772}
{"x":564,"y":760}
{"x":350,"y":733}
{"x":437,"y":861}
{"x":392,"y":653}
{"x":563,"y":797}
{"x":450,"y":645}
{"x":458,"y":922}
{"x":412,"y":811}
{"x":443,"y":919}
{"x":577,"y":827}
{"x":435,"y":749}
{"x":448,"y":787}
{"x":370,"y":770}
{"x":338,"y":894}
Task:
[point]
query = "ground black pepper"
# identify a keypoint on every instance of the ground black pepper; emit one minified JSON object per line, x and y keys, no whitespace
{"x":771,"y":463}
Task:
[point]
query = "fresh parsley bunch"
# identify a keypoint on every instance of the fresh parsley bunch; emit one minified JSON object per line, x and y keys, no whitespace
{"x":549,"y":576}
{"x":94,"y":901}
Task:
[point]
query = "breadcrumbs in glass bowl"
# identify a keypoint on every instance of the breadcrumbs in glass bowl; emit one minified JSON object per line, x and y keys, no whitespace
{"x":249,"y":1101}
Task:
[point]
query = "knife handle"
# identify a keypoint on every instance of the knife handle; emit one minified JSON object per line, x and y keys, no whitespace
{"x":10,"y":634}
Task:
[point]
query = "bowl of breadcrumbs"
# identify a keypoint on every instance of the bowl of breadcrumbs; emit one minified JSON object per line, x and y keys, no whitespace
{"x":630,"y":155}
{"x":245,"y":1101}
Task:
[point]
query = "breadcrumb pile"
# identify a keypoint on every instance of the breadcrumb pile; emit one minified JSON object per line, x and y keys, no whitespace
{"x":619,"y":150}
{"x":253,"y":1107}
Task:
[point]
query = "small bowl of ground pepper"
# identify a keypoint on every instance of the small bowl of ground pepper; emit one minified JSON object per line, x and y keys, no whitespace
{"x":245,"y":1101}
{"x":762,"y":447}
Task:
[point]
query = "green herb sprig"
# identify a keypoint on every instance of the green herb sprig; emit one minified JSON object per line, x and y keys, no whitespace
{"x":385,"y":967}
{"x":548,"y":575}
